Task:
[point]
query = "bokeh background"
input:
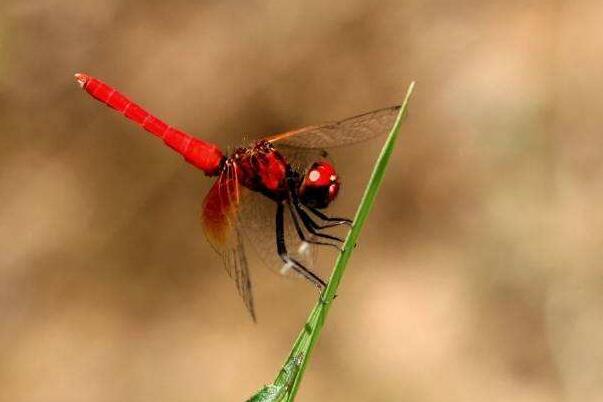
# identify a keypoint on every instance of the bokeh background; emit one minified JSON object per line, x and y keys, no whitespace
{"x":478,"y":276}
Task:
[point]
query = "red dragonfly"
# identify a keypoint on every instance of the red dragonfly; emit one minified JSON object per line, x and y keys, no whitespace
{"x":290,"y":170}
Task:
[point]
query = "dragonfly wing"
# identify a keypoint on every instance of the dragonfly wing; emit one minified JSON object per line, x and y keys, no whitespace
{"x":301,"y":158}
{"x":235,"y":262}
{"x":220,"y":219}
{"x":345,"y":132}
{"x":258,"y":226}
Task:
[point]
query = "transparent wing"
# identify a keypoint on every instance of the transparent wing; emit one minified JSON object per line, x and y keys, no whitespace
{"x":345,"y":132}
{"x":220,"y":219}
{"x":258,"y":226}
{"x":300,"y":159}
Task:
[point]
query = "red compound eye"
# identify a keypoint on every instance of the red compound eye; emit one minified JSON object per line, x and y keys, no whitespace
{"x":319,"y":186}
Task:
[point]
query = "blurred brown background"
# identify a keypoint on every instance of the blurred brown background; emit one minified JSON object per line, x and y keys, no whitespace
{"x":478,"y":276}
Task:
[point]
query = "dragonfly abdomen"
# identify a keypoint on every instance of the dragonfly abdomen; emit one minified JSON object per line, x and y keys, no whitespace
{"x":205,"y":156}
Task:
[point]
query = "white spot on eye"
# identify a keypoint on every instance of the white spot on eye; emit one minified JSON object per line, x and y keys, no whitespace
{"x":314,"y":175}
{"x":333,"y":177}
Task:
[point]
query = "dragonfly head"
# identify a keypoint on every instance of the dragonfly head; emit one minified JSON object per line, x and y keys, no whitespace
{"x":319,"y":186}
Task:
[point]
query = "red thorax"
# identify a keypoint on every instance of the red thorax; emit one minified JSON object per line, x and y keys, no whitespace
{"x":262,"y":168}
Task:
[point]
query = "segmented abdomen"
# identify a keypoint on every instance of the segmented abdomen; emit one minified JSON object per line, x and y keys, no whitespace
{"x":205,"y":156}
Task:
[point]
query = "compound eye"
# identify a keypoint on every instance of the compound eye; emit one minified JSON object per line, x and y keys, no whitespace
{"x":314,"y":176}
{"x":319,"y":176}
{"x":320,"y":185}
{"x":333,"y":190}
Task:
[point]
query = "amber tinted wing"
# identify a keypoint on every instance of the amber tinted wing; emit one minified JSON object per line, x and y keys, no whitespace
{"x":220,"y":219}
{"x":345,"y":132}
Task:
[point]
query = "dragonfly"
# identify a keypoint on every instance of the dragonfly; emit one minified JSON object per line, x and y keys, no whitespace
{"x":277,"y":187}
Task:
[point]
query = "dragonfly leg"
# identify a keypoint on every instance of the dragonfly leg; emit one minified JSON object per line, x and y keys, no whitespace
{"x":282,"y":251}
{"x":326,"y":218}
{"x":300,"y":232}
{"x":308,"y":222}
{"x":313,"y":227}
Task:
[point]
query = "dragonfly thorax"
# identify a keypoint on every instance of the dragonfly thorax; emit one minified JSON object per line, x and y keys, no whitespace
{"x":262,"y":168}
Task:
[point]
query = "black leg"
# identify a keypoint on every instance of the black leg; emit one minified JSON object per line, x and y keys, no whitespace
{"x":313,"y":227}
{"x":299,"y":207}
{"x":300,"y":232}
{"x":282,"y":251}
{"x":336,"y":221}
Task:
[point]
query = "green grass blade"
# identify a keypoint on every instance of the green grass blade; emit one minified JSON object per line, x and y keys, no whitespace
{"x":276,"y":391}
{"x":310,"y":333}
